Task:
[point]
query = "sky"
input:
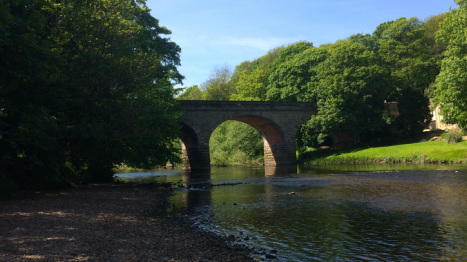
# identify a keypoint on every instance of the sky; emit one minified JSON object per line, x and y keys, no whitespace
{"x":216,"y":33}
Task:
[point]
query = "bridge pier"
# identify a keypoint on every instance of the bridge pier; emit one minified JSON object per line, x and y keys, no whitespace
{"x":196,"y":158}
{"x":279,"y":155}
{"x":195,"y":148}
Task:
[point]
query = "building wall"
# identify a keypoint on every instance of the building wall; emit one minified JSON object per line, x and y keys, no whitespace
{"x":437,"y":121}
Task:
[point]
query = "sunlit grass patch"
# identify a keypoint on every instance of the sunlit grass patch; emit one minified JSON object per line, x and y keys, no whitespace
{"x":423,"y":152}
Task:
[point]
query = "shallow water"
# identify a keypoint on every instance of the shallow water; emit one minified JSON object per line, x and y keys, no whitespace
{"x":333,"y":216}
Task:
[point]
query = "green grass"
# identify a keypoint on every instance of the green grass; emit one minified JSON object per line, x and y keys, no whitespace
{"x":423,"y":152}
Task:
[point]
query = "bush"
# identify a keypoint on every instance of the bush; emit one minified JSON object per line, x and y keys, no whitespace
{"x":452,"y":136}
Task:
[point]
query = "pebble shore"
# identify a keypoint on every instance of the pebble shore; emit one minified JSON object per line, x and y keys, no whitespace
{"x":106,"y":222}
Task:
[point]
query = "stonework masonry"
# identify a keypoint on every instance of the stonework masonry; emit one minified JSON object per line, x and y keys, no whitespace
{"x":278,"y":123}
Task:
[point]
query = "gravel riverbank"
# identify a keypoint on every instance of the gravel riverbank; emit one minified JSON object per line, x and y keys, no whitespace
{"x":111,"y":222}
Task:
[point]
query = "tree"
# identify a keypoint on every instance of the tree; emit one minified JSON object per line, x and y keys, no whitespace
{"x":451,"y":83}
{"x":431,"y":26}
{"x":30,"y":149}
{"x":251,"y":78}
{"x":251,"y":85}
{"x":352,"y":84}
{"x":404,"y":46}
{"x":85,"y":85}
{"x":191,"y":93}
{"x":117,"y":73}
{"x":294,"y":78}
{"x":282,"y":82}
{"x":218,"y":86}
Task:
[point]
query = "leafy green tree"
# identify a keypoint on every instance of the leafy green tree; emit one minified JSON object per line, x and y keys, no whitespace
{"x":295,"y":78}
{"x":218,"y":86}
{"x":251,"y":85}
{"x":431,"y":26}
{"x":285,"y":85}
{"x":350,"y":91}
{"x":30,"y":149}
{"x":251,"y":78}
{"x":84,"y":85}
{"x":191,"y":93}
{"x":404,"y":46}
{"x":117,"y":73}
{"x":451,"y":83}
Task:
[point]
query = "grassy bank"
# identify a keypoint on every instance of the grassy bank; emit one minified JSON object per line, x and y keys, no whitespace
{"x":423,"y":152}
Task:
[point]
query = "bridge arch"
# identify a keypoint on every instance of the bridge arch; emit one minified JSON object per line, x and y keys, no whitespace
{"x":278,"y":123}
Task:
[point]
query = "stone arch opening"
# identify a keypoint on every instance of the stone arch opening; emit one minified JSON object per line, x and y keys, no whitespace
{"x":278,"y":148}
{"x":235,"y":142}
{"x":274,"y":138}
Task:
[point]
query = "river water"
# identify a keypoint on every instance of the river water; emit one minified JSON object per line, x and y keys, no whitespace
{"x":329,"y":215}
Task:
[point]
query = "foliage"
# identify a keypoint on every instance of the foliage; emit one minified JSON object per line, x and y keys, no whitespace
{"x":236,"y":143}
{"x":251,"y":78}
{"x":29,"y":130}
{"x":84,"y":86}
{"x":191,"y":93}
{"x":352,"y":84}
{"x":451,"y":83}
{"x":217,"y":87}
{"x":429,"y":28}
{"x":350,"y":80}
{"x":125,"y":73}
{"x":452,"y":136}
{"x":404,"y":46}
{"x":293,"y":79}
{"x":251,"y":85}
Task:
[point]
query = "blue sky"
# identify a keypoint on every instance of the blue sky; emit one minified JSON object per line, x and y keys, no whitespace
{"x":227,"y":32}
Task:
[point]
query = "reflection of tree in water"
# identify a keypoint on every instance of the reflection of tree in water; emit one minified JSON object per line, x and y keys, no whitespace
{"x":197,"y":185}
{"x":393,"y":235}
{"x":451,"y":193}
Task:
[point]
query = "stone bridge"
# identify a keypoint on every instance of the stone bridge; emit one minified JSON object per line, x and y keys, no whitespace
{"x":278,"y":123}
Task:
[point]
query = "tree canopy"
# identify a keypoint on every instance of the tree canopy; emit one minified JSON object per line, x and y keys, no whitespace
{"x":451,"y":83}
{"x":218,"y":86}
{"x":351,"y":86}
{"x":85,"y":85}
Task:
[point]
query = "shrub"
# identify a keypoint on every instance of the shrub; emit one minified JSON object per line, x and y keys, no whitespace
{"x":452,"y":136}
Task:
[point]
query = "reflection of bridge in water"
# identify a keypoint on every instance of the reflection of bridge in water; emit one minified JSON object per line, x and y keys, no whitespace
{"x":278,"y":123}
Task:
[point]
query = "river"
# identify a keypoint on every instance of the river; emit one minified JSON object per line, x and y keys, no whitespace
{"x":332,"y":215}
